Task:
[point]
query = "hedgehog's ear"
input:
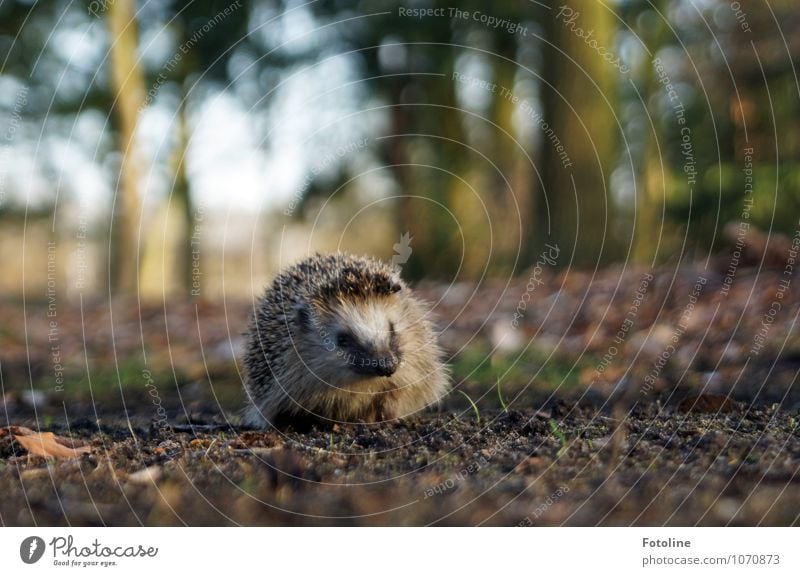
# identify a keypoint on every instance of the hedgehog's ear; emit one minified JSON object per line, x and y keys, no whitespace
{"x":302,"y":312}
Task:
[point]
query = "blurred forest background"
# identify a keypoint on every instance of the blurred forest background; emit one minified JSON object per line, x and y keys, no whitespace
{"x":229,"y":138}
{"x":599,"y":198}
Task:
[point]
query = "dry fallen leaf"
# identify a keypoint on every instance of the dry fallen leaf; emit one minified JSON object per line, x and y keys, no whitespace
{"x":47,"y":444}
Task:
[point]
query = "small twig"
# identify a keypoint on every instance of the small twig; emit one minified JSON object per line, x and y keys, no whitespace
{"x":200,"y":427}
{"x":214,"y":441}
{"x":254,"y":451}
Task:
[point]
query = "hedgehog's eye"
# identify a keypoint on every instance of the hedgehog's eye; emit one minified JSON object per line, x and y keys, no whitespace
{"x":391,"y":328}
{"x":303,"y":314}
{"x":344,"y":340}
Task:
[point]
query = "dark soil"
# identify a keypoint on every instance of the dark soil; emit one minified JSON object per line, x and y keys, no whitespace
{"x":562,"y":466}
{"x":634,"y":397}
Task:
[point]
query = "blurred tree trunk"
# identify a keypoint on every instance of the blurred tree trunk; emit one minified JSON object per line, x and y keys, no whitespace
{"x":181,"y":202}
{"x":509,"y":207}
{"x":461,"y":246}
{"x":399,"y":159}
{"x":436,"y":242}
{"x":128,"y":86}
{"x":650,"y":203}
{"x":652,"y":183}
{"x":166,"y":254}
{"x":579,"y":113}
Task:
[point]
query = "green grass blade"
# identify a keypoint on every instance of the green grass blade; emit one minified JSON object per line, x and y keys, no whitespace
{"x":474,"y":407}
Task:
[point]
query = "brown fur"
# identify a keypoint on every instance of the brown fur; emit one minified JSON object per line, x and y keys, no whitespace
{"x":296,"y":368}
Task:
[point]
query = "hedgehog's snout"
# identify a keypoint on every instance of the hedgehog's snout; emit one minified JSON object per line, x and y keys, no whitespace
{"x":369,"y":359}
{"x":386,"y":366}
{"x":371,"y":362}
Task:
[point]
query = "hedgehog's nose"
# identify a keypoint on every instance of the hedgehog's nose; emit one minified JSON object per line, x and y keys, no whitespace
{"x":386,"y":366}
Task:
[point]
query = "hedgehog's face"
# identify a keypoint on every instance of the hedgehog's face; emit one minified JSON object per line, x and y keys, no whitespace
{"x":358,"y":338}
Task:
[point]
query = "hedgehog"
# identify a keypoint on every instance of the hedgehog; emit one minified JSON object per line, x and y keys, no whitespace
{"x":340,"y":338}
